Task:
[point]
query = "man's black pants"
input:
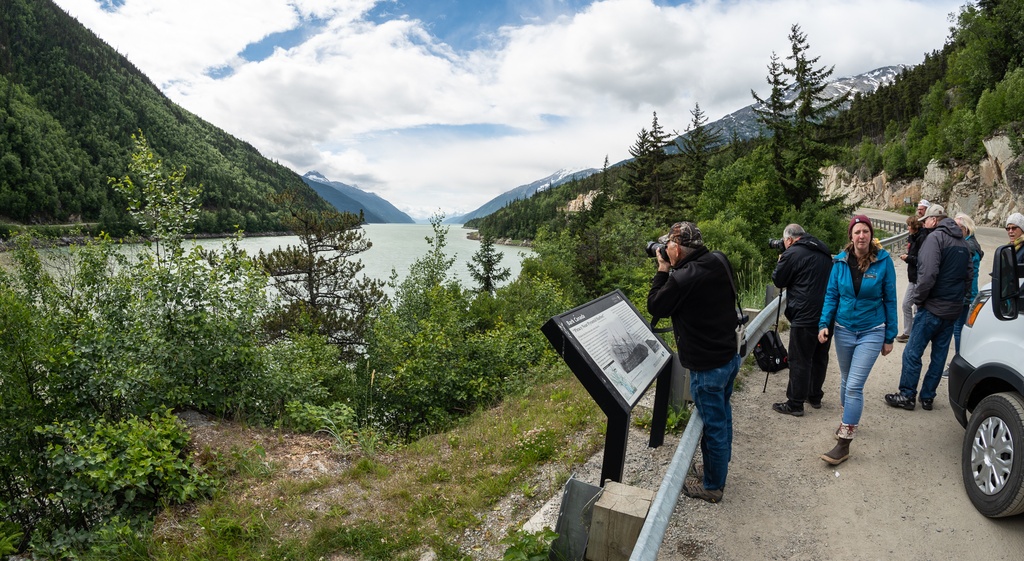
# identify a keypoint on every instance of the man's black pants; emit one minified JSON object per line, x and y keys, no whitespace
{"x":808,"y":361}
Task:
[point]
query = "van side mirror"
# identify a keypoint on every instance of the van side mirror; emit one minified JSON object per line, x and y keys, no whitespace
{"x":1005,"y":284}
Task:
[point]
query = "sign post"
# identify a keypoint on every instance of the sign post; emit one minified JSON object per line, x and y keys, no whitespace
{"x":616,"y":356}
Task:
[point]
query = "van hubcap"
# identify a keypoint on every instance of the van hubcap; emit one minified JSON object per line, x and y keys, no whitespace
{"x":992,"y":455}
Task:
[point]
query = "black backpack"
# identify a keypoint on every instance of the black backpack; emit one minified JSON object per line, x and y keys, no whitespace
{"x":770,"y":352}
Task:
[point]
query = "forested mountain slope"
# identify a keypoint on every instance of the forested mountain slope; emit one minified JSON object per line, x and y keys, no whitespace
{"x":69,"y":104}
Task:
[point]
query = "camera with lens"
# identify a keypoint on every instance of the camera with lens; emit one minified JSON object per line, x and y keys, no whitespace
{"x":777,"y":244}
{"x":654,"y":248}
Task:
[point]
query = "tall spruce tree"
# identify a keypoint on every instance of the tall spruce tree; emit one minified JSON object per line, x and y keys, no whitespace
{"x":698,"y":145}
{"x":648,"y":175}
{"x":774,"y":115}
{"x":796,"y":124}
{"x":807,"y":152}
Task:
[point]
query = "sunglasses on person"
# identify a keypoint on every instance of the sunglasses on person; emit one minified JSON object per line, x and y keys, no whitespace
{"x":1012,"y":228}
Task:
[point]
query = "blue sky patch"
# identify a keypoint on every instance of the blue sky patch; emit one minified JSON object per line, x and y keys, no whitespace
{"x":110,"y":5}
{"x":262,"y":49}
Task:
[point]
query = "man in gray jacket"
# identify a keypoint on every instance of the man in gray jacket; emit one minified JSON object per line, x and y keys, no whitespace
{"x":944,"y":273}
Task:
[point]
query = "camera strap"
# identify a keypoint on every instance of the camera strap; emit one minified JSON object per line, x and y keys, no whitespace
{"x":741,"y":318}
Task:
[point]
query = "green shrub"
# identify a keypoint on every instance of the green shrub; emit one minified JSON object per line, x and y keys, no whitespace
{"x":102,"y":470}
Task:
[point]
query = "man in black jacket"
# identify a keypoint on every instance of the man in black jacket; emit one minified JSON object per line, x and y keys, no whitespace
{"x":803,"y":270}
{"x":694,"y":287}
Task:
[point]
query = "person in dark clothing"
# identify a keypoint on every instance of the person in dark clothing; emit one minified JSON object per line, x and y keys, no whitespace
{"x":917,"y":235}
{"x":803,"y":270}
{"x":694,"y":287}
{"x":944,"y":272}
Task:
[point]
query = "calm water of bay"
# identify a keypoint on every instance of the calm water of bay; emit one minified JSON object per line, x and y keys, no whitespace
{"x":398,"y":246}
{"x":395,"y":246}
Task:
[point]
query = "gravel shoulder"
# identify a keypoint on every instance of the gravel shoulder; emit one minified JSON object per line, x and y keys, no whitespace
{"x":899,"y":496}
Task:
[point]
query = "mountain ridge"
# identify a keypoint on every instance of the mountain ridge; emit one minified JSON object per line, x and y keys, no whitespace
{"x":526,"y":191}
{"x":346,"y":198}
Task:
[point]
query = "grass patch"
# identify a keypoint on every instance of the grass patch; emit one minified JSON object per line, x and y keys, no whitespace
{"x":396,"y":503}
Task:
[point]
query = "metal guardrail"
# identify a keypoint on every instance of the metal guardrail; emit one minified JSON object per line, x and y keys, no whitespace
{"x":658,"y":517}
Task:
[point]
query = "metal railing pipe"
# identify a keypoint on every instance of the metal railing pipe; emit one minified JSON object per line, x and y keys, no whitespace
{"x":660,"y":513}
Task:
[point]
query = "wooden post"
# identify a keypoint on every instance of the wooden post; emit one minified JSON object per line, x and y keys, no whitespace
{"x":617,"y":520}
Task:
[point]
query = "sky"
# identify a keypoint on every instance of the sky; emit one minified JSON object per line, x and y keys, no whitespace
{"x":439,"y":106}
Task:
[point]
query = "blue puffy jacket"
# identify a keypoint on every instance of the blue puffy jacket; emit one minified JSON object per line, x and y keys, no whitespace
{"x":874,"y":305}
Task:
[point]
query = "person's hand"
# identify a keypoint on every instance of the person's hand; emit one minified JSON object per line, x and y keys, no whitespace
{"x":823,"y":337}
{"x":903,"y":257}
{"x":663,"y":266}
{"x":886,"y":349}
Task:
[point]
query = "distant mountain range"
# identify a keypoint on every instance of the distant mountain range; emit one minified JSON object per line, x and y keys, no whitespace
{"x":347,"y":198}
{"x":743,"y":122}
{"x":523,"y":192}
{"x":746,"y":126}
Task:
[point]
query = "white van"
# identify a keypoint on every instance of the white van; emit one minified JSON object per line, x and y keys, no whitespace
{"x":986,"y":381}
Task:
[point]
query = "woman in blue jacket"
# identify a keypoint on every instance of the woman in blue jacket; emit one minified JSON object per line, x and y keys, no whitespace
{"x":861,"y":302}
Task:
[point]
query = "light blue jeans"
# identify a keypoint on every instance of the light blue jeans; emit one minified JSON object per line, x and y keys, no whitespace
{"x":856,"y":351}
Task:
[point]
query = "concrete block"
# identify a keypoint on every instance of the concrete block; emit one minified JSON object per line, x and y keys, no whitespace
{"x":618,"y":518}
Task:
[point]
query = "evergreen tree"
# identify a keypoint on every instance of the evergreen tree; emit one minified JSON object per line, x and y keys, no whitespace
{"x":648,"y":180}
{"x":807,"y":153}
{"x":319,"y":281}
{"x":796,"y":125}
{"x":485,"y":267}
{"x":697,"y":147}
{"x":774,"y":113}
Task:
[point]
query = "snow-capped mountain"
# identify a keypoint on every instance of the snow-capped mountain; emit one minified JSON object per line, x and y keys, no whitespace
{"x":347,"y":198}
{"x":523,"y":192}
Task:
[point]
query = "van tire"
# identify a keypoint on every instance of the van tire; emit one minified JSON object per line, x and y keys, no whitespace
{"x":992,"y":458}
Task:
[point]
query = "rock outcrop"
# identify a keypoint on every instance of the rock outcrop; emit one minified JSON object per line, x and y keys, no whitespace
{"x":988,"y":191}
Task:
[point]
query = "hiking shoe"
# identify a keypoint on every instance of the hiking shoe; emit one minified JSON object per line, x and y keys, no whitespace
{"x":926,"y":404}
{"x":785,"y":409}
{"x":814,"y":404}
{"x":696,"y":471}
{"x":902,"y":338}
{"x":695,"y":490}
{"x":945,"y":373}
{"x":900,"y":400}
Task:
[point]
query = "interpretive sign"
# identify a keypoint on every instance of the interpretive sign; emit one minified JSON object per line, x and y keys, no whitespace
{"x":614,"y":353}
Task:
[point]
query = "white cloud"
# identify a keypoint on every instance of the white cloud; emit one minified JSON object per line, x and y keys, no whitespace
{"x":333,"y":102}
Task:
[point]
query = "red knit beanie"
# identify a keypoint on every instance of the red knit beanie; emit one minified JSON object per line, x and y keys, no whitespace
{"x":860,"y":219}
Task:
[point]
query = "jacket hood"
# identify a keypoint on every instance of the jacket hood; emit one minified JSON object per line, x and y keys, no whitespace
{"x":813,"y":243}
{"x":950,"y":227}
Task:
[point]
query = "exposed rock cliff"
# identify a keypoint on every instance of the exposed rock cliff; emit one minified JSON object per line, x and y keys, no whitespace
{"x":988,"y":191}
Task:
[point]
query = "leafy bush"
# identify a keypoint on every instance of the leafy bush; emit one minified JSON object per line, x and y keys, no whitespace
{"x":102,"y":470}
{"x":306,"y":417}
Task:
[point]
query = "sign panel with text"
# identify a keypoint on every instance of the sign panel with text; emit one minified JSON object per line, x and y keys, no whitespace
{"x":614,"y":353}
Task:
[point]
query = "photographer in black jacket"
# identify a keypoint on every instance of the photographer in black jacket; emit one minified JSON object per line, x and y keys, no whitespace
{"x":803,"y":270}
{"x":693,"y":286}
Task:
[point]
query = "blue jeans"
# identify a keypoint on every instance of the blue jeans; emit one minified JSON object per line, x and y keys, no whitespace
{"x":958,"y":326}
{"x":711,"y":390}
{"x":856,"y":351}
{"x":928,"y":328}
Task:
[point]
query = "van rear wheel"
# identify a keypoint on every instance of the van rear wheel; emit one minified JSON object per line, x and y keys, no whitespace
{"x":992,"y":458}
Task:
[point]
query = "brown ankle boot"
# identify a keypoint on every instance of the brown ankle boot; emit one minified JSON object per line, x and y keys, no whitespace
{"x":840,"y":453}
{"x":844,"y":436}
